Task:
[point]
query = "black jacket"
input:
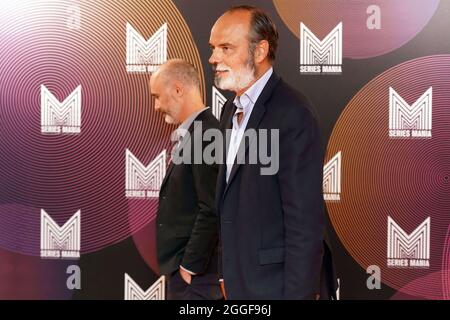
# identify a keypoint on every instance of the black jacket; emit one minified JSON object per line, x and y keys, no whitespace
{"x":187,"y":226}
{"x":272,"y":227}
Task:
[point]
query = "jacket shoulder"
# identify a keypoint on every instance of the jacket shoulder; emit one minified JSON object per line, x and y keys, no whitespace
{"x":292,"y":103}
{"x":208,"y":120}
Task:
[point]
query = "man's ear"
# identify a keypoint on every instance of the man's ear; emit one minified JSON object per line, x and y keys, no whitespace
{"x":261,"y":51}
{"x":179,"y":89}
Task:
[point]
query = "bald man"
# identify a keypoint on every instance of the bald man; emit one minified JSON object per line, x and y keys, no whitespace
{"x":187,"y":228}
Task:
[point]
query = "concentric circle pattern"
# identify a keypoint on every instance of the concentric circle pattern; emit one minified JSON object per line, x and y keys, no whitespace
{"x":370,"y":28}
{"x":403,"y":178}
{"x":62,"y":45}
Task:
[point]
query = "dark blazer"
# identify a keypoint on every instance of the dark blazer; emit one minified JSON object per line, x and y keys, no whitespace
{"x":187,"y":224}
{"x":272,"y":226}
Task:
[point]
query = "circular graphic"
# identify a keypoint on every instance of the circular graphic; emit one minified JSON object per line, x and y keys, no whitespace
{"x":64,"y":45}
{"x":391,"y":186}
{"x":440,"y":280}
{"x":370,"y":27}
{"x":29,"y":277}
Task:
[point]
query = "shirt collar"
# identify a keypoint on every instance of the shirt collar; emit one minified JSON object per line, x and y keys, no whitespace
{"x":183,"y":127}
{"x":250,"y":96}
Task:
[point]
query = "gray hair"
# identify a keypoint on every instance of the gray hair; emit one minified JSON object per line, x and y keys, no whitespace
{"x":181,"y":70}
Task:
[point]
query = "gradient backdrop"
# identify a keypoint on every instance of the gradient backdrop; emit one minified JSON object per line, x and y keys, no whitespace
{"x":63,"y":44}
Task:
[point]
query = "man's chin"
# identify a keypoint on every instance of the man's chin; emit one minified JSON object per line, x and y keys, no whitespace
{"x":225,"y":84}
{"x":169,"y":119}
{"x":222,"y":85}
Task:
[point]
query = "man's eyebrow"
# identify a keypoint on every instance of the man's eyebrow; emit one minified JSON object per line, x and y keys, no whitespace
{"x":226,"y":44}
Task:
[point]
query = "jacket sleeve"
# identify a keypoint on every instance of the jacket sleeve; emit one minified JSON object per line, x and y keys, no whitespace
{"x":300,"y":179}
{"x":204,"y":236}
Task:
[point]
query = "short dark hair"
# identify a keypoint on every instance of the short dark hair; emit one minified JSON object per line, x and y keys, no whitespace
{"x":261,"y":28}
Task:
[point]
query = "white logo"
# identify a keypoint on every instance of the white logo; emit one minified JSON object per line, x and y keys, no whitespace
{"x":146,"y":56}
{"x":60,"y":242}
{"x":410,"y":121}
{"x":408,"y":250}
{"x":57,"y":117}
{"x":320,"y":56}
{"x":218,"y":100}
{"x":332,"y":179}
{"x":134,"y":292}
{"x":141,"y":181}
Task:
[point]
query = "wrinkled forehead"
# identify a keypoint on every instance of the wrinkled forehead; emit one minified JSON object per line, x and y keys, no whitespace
{"x":232,"y":28}
{"x":160,"y":77}
{"x":156,"y":83}
{"x":152,"y":81}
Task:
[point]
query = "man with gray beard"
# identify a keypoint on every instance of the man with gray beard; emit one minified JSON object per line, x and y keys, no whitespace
{"x":272,"y":226}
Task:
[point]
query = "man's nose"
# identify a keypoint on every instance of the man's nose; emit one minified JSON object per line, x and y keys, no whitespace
{"x":214,"y":59}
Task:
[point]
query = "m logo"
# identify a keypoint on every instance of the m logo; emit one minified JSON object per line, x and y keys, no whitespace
{"x":57,"y":117}
{"x":408,"y":250}
{"x":134,"y":292}
{"x":144,"y":181}
{"x":146,"y":56}
{"x":332,"y":179}
{"x":410,"y":121}
{"x":60,"y":242}
{"x":320,"y":56}
{"x":218,"y":100}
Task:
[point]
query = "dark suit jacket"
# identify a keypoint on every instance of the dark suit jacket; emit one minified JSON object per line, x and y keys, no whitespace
{"x":187,"y":226}
{"x":272,"y":226}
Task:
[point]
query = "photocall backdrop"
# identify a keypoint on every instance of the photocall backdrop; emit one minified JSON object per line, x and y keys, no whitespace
{"x":83,"y":153}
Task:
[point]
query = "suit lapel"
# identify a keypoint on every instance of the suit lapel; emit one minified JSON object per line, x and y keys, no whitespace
{"x":225,"y":124}
{"x":181,"y":146}
{"x":166,"y":177}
